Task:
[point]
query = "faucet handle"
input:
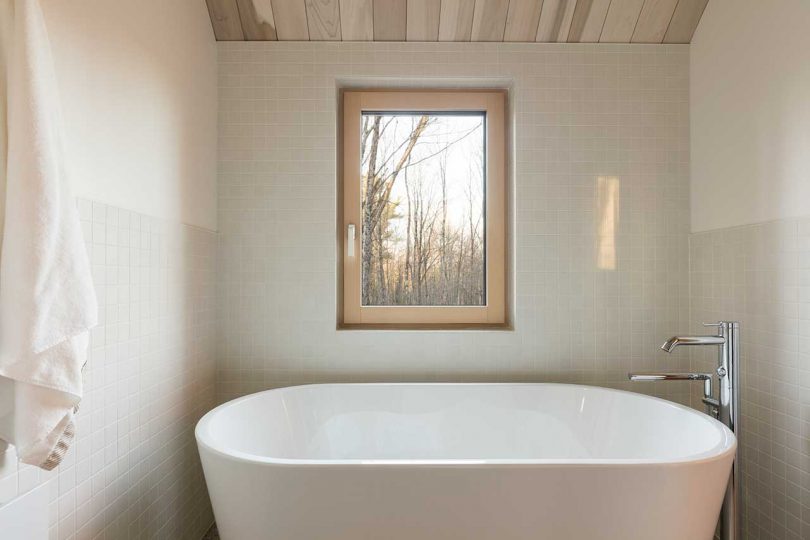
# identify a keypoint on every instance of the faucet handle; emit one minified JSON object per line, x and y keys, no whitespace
{"x":658,"y":376}
{"x":715,"y":324}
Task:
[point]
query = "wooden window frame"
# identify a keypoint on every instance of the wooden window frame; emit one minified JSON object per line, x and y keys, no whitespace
{"x":351,"y":312}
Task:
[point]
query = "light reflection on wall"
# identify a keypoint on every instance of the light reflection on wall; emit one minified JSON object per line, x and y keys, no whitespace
{"x":607,"y":200}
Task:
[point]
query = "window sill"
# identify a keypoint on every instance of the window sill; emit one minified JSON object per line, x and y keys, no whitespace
{"x":461,"y":327}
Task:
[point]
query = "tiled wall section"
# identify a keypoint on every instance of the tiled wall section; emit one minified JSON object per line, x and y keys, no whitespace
{"x":133,"y":471}
{"x":760,"y":276}
{"x":580,"y":112}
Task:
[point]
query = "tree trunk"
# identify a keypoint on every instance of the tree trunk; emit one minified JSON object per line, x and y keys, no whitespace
{"x":368,"y":210}
{"x":444,"y":268}
{"x":408,"y":269}
{"x":382,"y":293}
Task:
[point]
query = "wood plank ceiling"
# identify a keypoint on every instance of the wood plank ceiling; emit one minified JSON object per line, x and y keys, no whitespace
{"x":572,"y":21}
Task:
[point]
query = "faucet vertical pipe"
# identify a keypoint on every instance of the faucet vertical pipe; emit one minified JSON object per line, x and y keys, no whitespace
{"x":729,"y":410}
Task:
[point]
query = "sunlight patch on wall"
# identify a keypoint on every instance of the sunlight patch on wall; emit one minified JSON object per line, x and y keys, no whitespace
{"x":607,"y":200}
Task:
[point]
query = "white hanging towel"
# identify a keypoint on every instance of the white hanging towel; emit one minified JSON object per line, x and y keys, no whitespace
{"x":47,"y":300}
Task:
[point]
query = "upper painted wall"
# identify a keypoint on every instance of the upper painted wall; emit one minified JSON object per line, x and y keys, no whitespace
{"x":750,"y":113}
{"x":138,"y":83}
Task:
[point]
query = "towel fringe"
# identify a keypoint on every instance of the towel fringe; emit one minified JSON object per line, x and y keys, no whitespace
{"x":60,"y":450}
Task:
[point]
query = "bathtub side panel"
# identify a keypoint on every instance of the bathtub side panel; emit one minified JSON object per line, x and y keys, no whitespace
{"x":258,"y":501}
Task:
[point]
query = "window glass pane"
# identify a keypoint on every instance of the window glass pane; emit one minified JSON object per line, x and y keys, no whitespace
{"x":423,"y":209}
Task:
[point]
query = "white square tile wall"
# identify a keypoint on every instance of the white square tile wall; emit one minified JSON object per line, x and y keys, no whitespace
{"x":579,"y":112}
{"x":760,"y":276}
{"x":133,"y":470}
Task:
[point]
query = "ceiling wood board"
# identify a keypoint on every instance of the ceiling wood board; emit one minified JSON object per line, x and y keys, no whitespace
{"x":556,"y":21}
{"x":522,"y":20}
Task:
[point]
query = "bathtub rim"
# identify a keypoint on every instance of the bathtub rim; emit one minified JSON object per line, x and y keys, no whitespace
{"x":726,"y":447}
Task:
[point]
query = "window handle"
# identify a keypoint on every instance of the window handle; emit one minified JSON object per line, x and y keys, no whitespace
{"x":350,"y":240}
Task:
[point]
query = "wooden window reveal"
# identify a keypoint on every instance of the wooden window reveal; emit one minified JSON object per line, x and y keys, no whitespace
{"x":423,"y":217}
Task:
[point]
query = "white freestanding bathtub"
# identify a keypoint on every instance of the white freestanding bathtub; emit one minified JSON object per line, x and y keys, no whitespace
{"x":463,"y":461}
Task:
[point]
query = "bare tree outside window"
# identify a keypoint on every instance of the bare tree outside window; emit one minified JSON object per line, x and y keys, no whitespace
{"x":423,"y":219}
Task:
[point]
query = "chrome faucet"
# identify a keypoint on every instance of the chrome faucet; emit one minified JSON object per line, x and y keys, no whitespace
{"x":725,"y":408}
